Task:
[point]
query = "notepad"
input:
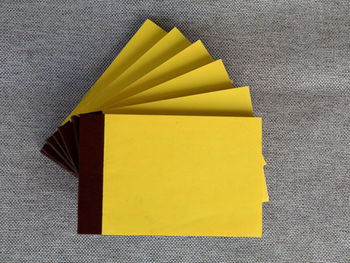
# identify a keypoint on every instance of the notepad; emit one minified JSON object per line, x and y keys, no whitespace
{"x":163,"y":144}
{"x":189,"y":174}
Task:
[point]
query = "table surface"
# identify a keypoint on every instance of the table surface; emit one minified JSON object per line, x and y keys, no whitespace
{"x":295,"y":56}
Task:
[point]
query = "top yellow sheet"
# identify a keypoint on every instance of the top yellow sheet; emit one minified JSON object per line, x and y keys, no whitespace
{"x":179,"y":175}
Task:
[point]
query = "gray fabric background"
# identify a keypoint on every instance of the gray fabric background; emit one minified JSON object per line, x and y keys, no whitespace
{"x":295,"y":55}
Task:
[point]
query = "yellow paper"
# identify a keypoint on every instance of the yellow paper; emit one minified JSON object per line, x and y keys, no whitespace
{"x":229,"y":102}
{"x":148,"y":35}
{"x":178,"y":175}
{"x":210,"y":77}
{"x":171,"y":44}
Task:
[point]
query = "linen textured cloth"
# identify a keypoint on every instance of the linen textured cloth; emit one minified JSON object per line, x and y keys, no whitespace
{"x":295,"y":56}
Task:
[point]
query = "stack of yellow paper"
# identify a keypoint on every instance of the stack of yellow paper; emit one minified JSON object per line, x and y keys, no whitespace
{"x":164,"y":145}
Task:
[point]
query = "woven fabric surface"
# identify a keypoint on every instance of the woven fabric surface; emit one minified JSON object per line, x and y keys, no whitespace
{"x":295,"y":55}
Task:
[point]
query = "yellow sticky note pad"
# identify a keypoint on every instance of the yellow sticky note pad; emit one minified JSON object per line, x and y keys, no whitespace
{"x":177,"y":150}
{"x":182,"y":175}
